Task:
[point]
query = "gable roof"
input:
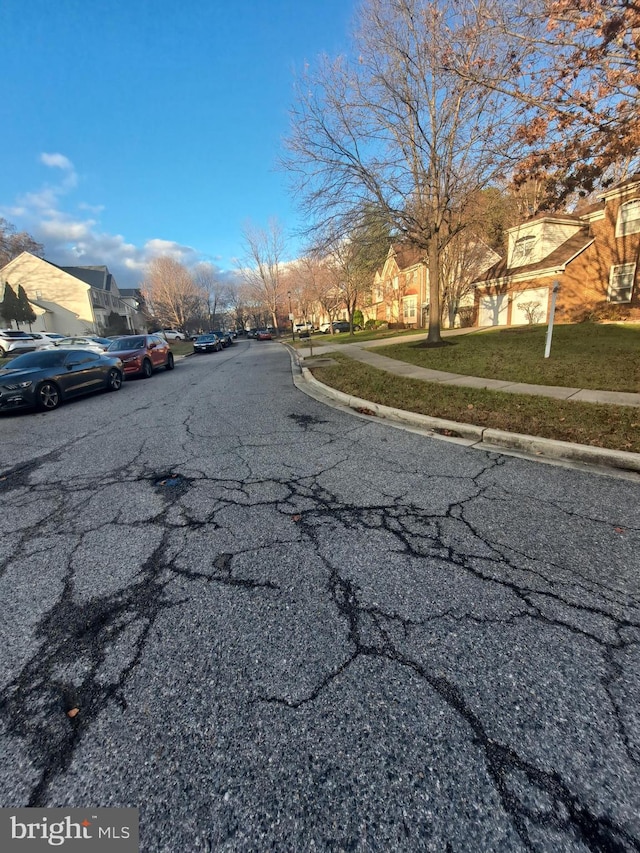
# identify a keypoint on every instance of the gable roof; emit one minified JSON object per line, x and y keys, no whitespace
{"x":561,"y":256}
{"x":95,"y":276}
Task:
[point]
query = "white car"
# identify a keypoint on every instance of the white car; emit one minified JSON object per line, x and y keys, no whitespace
{"x":304,"y":327}
{"x":172,"y":335}
{"x":93,"y":344}
{"x":45,"y":339}
{"x":15,"y":342}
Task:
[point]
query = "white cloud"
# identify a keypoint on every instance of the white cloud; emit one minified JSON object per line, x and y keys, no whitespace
{"x":73,"y":237}
{"x":57,"y":161}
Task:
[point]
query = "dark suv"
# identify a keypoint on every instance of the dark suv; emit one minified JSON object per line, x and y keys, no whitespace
{"x":142,"y":354}
{"x":343,"y":326}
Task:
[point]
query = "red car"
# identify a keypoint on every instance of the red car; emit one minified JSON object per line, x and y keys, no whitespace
{"x":263,"y":335}
{"x":142,"y":354}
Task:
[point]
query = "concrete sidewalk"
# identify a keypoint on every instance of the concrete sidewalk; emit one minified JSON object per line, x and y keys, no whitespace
{"x":625,"y":463}
{"x":359,"y":352}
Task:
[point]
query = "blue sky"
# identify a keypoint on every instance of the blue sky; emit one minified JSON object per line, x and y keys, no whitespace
{"x":136,"y":128}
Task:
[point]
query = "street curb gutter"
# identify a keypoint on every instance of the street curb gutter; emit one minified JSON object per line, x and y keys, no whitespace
{"x":484,"y":438}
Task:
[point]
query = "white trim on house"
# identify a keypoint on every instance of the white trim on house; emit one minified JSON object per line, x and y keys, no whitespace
{"x":620,"y":273}
{"x":531,"y":274}
{"x":625,"y":225}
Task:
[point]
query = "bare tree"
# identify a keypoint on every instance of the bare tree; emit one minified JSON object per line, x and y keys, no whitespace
{"x":400,"y":129}
{"x":13,"y":243}
{"x":464,"y":260}
{"x":318,"y":284}
{"x":217,"y":292}
{"x":262,"y":266}
{"x":171,"y":293}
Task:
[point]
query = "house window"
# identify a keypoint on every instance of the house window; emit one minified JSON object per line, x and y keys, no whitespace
{"x":628,"y":218}
{"x":409,"y":307}
{"x":523,"y":251}
{"x":621,"y":282}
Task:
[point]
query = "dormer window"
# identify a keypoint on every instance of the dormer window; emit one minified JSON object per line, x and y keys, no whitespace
{"x":523,"y":251}
{"x":628,"y":218}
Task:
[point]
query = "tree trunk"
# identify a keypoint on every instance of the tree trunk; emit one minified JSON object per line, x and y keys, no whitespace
{"x":434,"y":336}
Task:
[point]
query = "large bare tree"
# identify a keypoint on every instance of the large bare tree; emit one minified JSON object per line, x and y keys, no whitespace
{"x":398,"y":128}
{"x":217,"y":293}
{"x":13,"y":243}
{"x":262,"y":265}
{"x":171,"y":293}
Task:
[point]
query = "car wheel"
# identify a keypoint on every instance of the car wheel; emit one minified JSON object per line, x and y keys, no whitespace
{"x":114,"y":380}
{"x":170,"y":362}
{"x":48,"y":396}
{"x":147,"y":369}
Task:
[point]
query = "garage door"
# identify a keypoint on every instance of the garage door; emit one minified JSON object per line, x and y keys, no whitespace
{"x":530,"y":306}
{"x":493,"y":310}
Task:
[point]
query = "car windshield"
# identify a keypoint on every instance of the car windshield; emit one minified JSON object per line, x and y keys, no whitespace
{"x":104,"y":341}
{"x":125,"y":344}
{"x":203,"y":339}
{"x":44,"y":358}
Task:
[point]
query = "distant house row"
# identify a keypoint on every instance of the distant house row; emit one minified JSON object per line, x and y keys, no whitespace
{"x":73,"y":300}
{"x":593,"y":255}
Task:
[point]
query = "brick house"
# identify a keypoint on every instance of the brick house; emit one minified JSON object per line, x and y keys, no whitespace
{"x":592,"y":253}
{"x":400,"y":292}
{"x":400,"y":289}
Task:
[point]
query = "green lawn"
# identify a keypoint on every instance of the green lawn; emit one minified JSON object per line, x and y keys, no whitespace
{"x":587,"y":355}
{"x":615,"y":427}
{"x":181,"y":347}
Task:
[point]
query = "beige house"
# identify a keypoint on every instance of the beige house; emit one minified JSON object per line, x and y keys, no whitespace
{"x":69,"y":300}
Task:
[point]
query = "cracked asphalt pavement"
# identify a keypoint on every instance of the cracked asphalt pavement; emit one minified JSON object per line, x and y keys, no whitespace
{"x":278,"y":626}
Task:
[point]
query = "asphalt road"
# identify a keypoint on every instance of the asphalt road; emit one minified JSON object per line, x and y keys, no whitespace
{"x":288,"y":628}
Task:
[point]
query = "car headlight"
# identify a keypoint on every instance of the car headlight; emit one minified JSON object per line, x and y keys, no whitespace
{"x":131,"y":359}
{"x":19,"y":385}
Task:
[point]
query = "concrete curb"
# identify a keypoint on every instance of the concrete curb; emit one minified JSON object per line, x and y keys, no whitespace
{"x":483,"y":438}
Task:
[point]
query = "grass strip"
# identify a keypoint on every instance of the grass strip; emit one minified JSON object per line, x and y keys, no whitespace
{"x":587,"y":355}
{"x":614,"y":427}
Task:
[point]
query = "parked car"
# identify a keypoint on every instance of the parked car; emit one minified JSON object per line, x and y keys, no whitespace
{"x":207,"y":343}
{"x":14,"y":342}
{"x":89,"y":342}
{"x":263,"y":335}
{"x":303,"y":327}
{"x":339,"y":326}
{"x":172,"y":334}
{"x":142,"y":354}
{"x":45,"y":339}
{"x":225,"y":337}
{"x":46,"y":378}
